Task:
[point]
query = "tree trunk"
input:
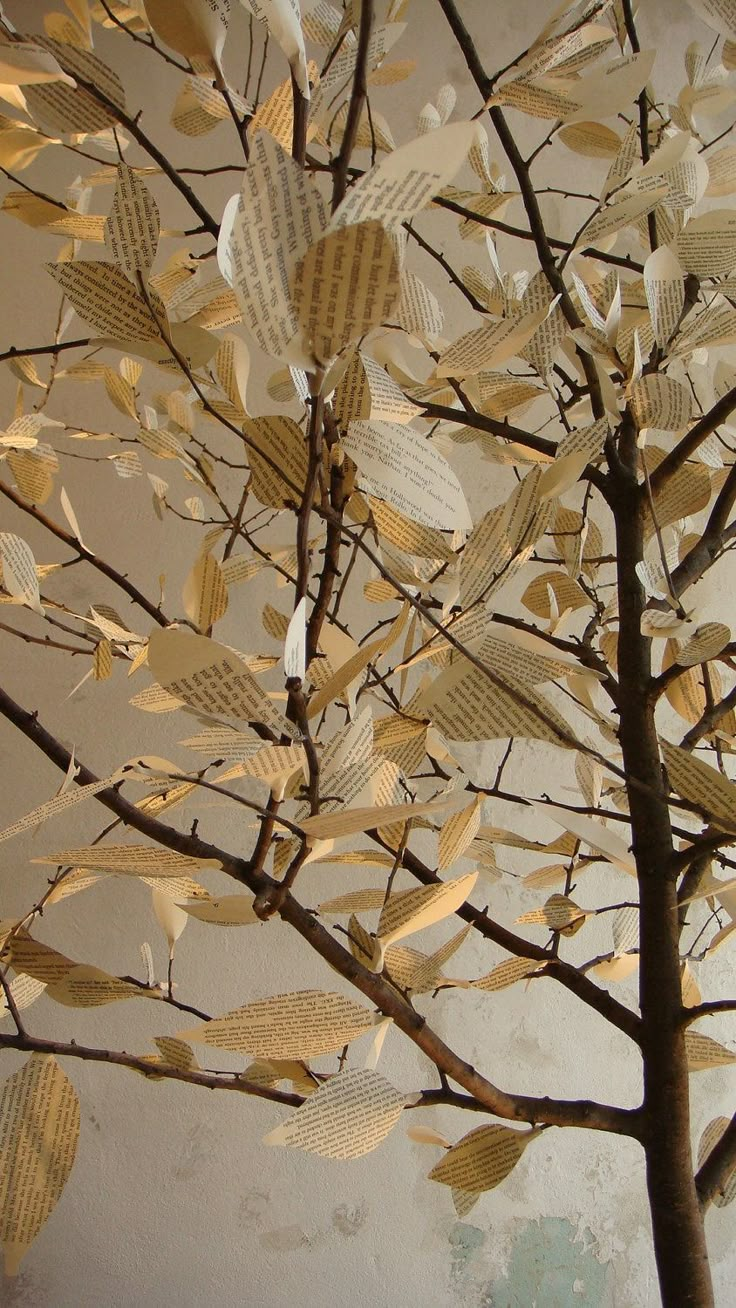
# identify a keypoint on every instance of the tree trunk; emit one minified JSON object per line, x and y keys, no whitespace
{"x":677,"y":1222}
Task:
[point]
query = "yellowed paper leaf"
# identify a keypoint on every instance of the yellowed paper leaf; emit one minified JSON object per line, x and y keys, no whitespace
{"x":703,"y":1053}
{"x":39,"y":1129}
{"x":141,"y":860}
{"x":132,"y":228}
{"x":482,"y":1159}
{"x":347,"y":283}
{"x":701,"y":785}
{"x":303,"y":1024}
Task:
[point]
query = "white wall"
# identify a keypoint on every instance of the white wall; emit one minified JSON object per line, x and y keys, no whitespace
{"x":174,"y":1200}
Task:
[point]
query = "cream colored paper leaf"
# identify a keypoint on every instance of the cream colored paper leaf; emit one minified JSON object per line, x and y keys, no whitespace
{"x":59,"y":804}
{"x":406,"y":469}
{"x":229,"y":910}
{"x":558,"y":913}
{"x":85,"y":986}
{"x":664,"y":285}
{"x":457,"y":833}
{"x":355,"y":901}
{"x":506,"y":974}
{"x":703,"y":1053}
{"x":279,"y":215}
{"x":195,"y":28}
{"x":39,"y":1129}
{"x":141,"y":860}
{"x":413,"y":910}
{"x":171,"y":918}
{"x":705,"y":643}
{"x":280,"y":442}
{"x":303,"y":1024}
{"x":19,"y":571}
{"x":346,"y":1118}
{"x":701,"y":785}
{"x":465,"y":704}
{"x":347,"y":283}
{"x":211,"y":678}
{"x":404,"y":183}
{"x":105,"y":298}
{"x":132,"y":228}
{"x":598,"y":837}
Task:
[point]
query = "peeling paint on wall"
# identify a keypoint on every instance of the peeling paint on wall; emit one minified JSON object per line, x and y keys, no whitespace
{"x":552,"y":1265}
{"x":465,"y":1241}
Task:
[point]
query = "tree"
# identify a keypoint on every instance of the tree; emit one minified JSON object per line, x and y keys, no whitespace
{"x":586,"y":408}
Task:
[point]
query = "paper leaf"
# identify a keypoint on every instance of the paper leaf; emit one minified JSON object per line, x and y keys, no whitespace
{"x":705,"y":643}
{"x":282,"y":18}
{"x":482,"y":1159}
{"x":355,"y":901}
{"x":278,"y":216}
{"x":346,"y":1118}
{"x":349,"y":822}
{"x":406,"y":469}
{"x":427,"y":1135}
{"x":39,"y":1129}
{"x":85,"y":986}
{"x":105,"y":298}
{"x":281,"y":443}
{"x":598,"y":837}
{"x":19,"y":571}
{"x":703,"y":1053}
{"x":59,"y":804}
{"x":557,"y":913}
{"x":708,"y":1141}
{"x":720,"y":15}
{"x":25,"y":991}
{"x":229,"y":910}
{"x":347,"y":283}
{"x":457,"y":833}
{"x":593,"y":140}
{"x":401,"y":185}
{"x":367,"y":391}
{"x":413,"y":910}
{"x":489,"y":346}
{"x":303,"y":1024}
{"x":171,"y":918}
{"x":210,"y":678}
{"x":24,"y":64}
{"x":295,"y":644}
{"x":195,"y":28}
{"x":204,"y":593}
{"x":465,"y":704}
{"x":622,"y":213}
{"x":132,"y":228}
{"x":659,"y":401}
{"x":140,"y":860}
{"x":707,"y":244}
{"x":506,"y":974}
{"x":701,"y":785}
{"x":664,"y":284}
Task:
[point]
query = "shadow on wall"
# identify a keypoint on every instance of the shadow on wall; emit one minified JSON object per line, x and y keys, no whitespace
{"x":550,"y":1265}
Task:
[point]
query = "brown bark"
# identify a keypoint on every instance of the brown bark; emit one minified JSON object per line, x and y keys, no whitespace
{"x":677,"y":1225}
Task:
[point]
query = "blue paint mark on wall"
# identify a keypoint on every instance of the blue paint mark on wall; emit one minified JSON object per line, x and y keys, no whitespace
{"x":550,"y":1267}
{"x":465,"y":1241}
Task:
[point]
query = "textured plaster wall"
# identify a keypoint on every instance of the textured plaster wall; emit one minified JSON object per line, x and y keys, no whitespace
{"x":174,"y":1201}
